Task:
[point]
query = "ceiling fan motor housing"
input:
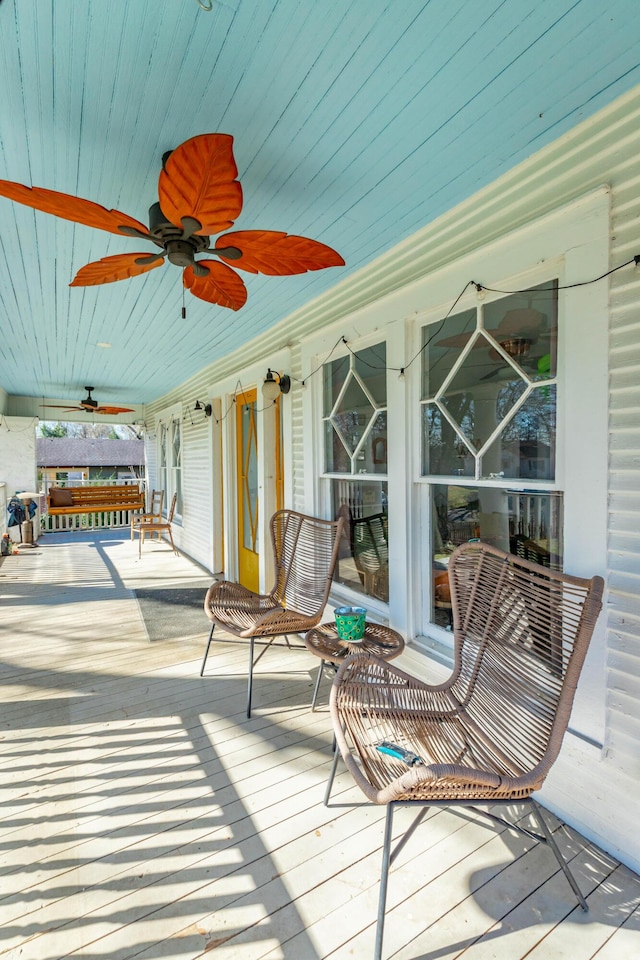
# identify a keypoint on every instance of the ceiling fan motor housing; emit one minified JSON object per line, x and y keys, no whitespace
{"x":158,"y":223}
{"x":180,"y":250}
{"x":88,"y":401}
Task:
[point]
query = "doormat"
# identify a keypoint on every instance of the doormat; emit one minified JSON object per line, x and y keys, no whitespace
{"x":173,"y":613}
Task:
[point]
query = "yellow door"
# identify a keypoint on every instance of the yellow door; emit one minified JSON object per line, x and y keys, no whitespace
{"x":247,"y":481}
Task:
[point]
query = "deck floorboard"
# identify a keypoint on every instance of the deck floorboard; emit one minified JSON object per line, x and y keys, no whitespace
{"x":144,"y":817}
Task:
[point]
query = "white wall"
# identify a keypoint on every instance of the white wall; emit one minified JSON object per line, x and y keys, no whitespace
{"x":18,"y":465}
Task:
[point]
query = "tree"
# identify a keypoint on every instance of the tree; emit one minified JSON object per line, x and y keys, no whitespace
{"x":53,"y":430}
{"x":90,"y":431}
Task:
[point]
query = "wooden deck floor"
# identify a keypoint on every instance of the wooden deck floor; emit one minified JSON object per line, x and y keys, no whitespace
{"x":143,"y":816}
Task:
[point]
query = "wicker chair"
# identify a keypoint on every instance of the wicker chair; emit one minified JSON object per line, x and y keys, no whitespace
{"x":305,"y":550}
{"x":491,"y":732}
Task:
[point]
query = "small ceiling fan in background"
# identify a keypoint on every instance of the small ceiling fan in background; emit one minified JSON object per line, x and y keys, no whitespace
{"x":198,"y":196}
{"x":89,"y":405}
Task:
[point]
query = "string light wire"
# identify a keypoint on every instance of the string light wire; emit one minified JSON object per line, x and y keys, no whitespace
{"x":479,"y":287}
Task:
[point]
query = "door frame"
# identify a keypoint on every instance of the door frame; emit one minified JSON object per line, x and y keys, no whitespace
{"x":248,"y":558}
{"x":225,"y":504}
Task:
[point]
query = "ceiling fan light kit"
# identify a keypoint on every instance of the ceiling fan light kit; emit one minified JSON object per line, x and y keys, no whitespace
{"x":198,"y":197}
{"x":514,"y":346}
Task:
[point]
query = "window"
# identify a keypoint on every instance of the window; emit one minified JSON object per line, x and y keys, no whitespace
{"x":355,"y":466}
{"x":163,"y":459}
{"x":176,"y":463}
{"x":489,"y":394}
{"x":170,"y":462}
{"x":488,"y":417}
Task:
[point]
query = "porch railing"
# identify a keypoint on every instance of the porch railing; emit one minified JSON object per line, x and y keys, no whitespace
{"x":94,"y":520}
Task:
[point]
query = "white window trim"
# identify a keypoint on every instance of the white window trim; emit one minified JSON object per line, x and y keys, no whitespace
{"x":571,"y":244}
{"x":438,"y":639}
{"x":383,"y":326}
{"x":542,"y":274}
{"x":165,"y":419}
{"x":221,"y":394}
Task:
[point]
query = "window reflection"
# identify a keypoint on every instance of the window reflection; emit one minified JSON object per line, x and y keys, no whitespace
{"x":489,"y":403}
{"x":363,"y":561}
{"x":355,"y":414}
{"x":527,"y":524}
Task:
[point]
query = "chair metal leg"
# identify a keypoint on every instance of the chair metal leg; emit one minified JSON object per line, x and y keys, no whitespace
{"x":384,"y":877}
{"x":548,"y":836}
{"x":332,"y":773}
{"x":317,"y":686}
{"x":206,"y":652}
{"x":250,"y":679}
{"x":323,"y":664}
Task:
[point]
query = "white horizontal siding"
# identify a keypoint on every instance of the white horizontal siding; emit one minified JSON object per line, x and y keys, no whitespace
{"x":623,"y":624}
{"x":603,"y":150}
{"x":298,"y":433}
{"x":197,"y":534}
{"x":151,"y":460}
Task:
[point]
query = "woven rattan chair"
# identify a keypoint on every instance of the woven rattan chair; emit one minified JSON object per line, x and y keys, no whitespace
{"x":489,"y":734}
{"x":157,"y":525}
{"x":305,"y":550}
{"x":155,"y":511}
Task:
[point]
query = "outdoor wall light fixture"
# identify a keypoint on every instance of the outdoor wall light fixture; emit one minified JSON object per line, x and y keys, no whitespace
{"x":203,"y":406}
{"x":275,"y":384}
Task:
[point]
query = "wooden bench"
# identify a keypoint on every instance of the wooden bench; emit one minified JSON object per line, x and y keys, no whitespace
{"x":67,"y":500}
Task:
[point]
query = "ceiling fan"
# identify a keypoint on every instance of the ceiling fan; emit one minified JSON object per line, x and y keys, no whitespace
{"x":198,"y":196}
{"x":89,"y":405}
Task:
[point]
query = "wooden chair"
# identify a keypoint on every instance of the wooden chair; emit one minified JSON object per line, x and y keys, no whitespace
{"x":159,"y":526}
{"x":155,"y":511}
{"x":305,"y":550}
{"x":489,"y":734}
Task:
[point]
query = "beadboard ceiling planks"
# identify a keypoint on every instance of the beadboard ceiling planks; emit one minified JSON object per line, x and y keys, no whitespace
{"x":354,"y":124}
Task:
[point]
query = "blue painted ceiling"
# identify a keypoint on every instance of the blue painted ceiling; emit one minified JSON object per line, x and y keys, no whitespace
{"x":354,"y":124}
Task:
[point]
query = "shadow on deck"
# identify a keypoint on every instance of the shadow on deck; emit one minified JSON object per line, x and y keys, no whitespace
{"x":144,"y":816}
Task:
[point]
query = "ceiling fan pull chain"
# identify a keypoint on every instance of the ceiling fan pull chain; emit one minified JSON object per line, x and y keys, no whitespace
{"x":184,"y":307}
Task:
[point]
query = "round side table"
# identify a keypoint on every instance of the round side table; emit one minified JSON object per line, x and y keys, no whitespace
{"x":324,"y":642}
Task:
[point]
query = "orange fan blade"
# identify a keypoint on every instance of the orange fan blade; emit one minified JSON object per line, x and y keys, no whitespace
{"x":70,"y":208}
{"x":199,"y":181}
{"x":278,"y":254}
{"x":112,"y":411}
{"x":222,"y":285}
{"x":107,"y":411}
{"x":120,"y":267}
